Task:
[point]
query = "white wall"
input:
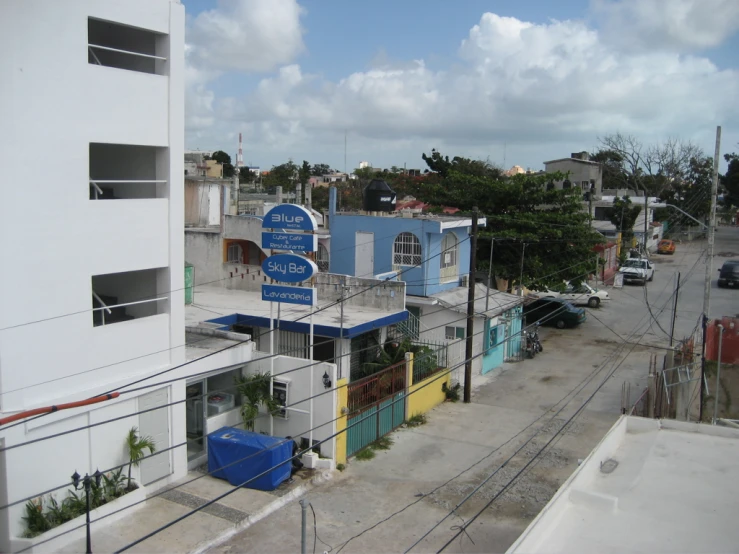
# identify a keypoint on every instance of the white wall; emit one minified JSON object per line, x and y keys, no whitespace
{"x":324,"y":406}
{"x":433,"y":322}
{"x":54,"y":103}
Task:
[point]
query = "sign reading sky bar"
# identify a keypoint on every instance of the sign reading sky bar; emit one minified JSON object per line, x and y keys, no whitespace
{"x":284,"y":220}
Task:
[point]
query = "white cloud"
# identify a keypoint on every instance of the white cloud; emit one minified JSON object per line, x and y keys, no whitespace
{"x":683,"y":25}
{"x":246,"y":35}
{"x":538,"y":87}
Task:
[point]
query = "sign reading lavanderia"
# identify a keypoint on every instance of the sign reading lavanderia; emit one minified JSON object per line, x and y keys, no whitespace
{"x":291,"y":267}
{"x":289,"y":295}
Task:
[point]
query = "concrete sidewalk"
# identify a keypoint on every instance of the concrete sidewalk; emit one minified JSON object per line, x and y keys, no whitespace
{"x":393,"y":492}
{"x":218,"y":521}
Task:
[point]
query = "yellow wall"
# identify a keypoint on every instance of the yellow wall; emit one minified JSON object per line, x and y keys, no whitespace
{"x":422,"y":398}
{"x":342,"y":398}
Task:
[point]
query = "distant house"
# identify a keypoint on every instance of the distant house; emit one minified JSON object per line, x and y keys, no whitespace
{"x":581,"y":173}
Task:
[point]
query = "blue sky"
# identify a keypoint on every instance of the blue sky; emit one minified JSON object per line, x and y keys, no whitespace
{"x":535,"y":79}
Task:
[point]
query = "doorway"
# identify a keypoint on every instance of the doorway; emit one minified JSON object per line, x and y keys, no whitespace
{"x":364,"y":254}
{"x":155,"y":424}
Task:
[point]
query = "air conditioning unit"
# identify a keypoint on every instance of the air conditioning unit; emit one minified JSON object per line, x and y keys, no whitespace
{"x":464,"y":281}
{"x":220,"y":402}
{"x":281,"y":393}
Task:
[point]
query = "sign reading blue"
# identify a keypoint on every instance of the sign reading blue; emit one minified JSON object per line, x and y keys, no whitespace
{"x":296,"y":242}
{"x":289,"y":295}
{"x":289,"y":216}
{"x":289,"y":268}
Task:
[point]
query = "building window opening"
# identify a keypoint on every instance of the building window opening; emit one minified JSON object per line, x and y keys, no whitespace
{"x":124,"y":47}
{"x":118,"y":297}
{"x":322,"y":260}
{"x":235,"y":254}
{"x":406,"y":250}
{"x":448,"y":258}
{"x":124,"y":171}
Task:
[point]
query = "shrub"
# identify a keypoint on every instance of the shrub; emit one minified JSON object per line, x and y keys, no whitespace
{"x":416,"y":420}
{"x":451,"y":393}
{"x":365,"y":454}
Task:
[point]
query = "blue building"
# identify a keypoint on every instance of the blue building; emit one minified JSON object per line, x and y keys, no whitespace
{"x":431,"y":254}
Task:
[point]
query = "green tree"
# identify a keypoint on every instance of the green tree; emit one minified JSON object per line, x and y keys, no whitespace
{"x":222,"y":158}
{"x":283,"y":175}
{"x":520,"y":210}
{"x":304,"y":173}
{"x":692,"y":193}
{"x":730,"y":181}
{"x":623,"y":215}
{"x":246,"y":175}
{"x":440,"y":164}
{"x":318,"y":170}
{"x":137,"y":447}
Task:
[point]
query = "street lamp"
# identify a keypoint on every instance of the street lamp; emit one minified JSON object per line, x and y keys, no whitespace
{"x":86,"y":482}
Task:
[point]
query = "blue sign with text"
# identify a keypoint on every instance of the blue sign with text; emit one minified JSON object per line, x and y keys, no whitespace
{"x":296,"y":242}
{"x":289,"y":216}
{"x":305,"y":296}
{"x":289,"y":268}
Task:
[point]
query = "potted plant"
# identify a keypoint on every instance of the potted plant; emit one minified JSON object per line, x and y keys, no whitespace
{"x":254,"y":390}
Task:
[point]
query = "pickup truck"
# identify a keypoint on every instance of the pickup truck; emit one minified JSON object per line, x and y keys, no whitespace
{"x":637,"y":270}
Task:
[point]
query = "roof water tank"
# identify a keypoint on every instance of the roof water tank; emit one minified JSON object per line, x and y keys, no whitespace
{"x":378,"y":197}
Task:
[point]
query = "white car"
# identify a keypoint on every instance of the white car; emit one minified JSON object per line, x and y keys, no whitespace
{"x":637,"y":270}
{"x":580,"y":295}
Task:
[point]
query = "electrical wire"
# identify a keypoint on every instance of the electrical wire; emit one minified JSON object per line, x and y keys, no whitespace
{"x":282,"y":353}
{"x":445,"y":372}
{"x":315,"y":532}
{"x":518,"y":474}
{"x":310,"y":314}
{"x":435,"y":378}
{"x":175,"y":402}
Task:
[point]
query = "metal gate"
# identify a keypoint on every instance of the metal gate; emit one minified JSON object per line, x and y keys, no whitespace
{"x":377,"y":405}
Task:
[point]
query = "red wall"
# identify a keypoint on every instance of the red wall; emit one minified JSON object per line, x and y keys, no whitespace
{"x":730,"y":346}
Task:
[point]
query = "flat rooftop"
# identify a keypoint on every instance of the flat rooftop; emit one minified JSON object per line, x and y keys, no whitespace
{"x":227,"y":306}
{"x":649,"y":486}
{"x":498,"y":302}
{"x":447,"y":221}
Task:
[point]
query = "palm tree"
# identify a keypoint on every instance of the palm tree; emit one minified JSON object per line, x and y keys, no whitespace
{"x":136,"y":446}
{"x":254,"y":390}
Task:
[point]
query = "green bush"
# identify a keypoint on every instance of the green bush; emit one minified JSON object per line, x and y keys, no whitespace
{"x":451,"y":393}
{"x":416,"y":420}
{"x":46,"y":512}
{"x":365,"y":454}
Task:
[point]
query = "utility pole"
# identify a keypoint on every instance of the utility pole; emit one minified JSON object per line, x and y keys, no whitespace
{"x":520,"y":281}
{"x":470,"y":311}
{"x":709,"y":264}
{"x":303,"y":522}
{"x":674,"y":310}
{"x":490,"y":275}
{"x":718,"y":372}
{"x":646,"y":222}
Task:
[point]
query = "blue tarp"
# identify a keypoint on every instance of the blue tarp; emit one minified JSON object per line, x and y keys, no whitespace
{"x":247,"y":455}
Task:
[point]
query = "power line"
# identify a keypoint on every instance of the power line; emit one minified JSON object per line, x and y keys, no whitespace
{"x":518,"y":474}
{"x":438,"y":376}
{"x":104,"y":422}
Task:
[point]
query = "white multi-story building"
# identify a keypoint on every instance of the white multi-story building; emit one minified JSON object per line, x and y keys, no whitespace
{"x":91,"y":241}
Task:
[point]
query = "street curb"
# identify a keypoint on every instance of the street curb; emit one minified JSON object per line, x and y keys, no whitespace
{"x":267,"y":510}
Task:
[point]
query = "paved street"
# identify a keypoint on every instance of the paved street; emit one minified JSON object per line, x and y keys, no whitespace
{"x":618,"y":338}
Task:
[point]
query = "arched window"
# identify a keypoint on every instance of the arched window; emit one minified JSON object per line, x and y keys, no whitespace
{"x":448,"y":259}
{"x":322,"y":258}
{"x":406,"y":250}
{"x":235,"y":254}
